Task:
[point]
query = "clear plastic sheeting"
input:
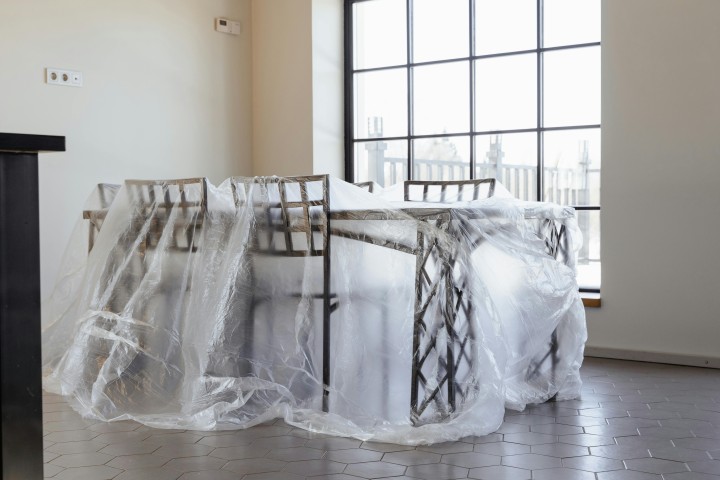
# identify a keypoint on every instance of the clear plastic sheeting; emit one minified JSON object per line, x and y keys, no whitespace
{"x":340,"y":310}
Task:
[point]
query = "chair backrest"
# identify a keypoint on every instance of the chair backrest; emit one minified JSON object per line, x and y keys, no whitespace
{"x":369,"y":186}
{"x":185,"y":193}
{"x":291,"y":213}
{"x":102,"y":199}
{"x":448,"y":191}
{"x":157,"y":198}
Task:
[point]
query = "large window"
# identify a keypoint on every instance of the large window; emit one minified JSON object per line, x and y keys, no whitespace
{"x":456,"y":89}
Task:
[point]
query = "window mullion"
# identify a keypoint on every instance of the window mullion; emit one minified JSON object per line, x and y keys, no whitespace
{"x":540,"y":89}
{"x":349,"y":97}
{"x":410,"y":84}
{"x":471,"y":66}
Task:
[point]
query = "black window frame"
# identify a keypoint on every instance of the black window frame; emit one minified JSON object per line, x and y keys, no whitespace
{"x":409,"y":65}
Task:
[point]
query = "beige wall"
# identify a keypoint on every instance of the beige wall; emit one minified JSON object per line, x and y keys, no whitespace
{"x":165,"y":96}
{"x":297,"y":87}
{"x":282,"y":87}
{"x":661,"y":168}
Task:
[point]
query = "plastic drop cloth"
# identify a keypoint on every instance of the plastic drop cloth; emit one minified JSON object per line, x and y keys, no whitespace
{"x":187,"y":312}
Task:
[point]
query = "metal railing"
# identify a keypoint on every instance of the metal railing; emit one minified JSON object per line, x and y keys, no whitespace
{"x":521,"y":180}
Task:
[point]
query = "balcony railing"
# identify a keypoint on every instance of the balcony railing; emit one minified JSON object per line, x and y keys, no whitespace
{"x":521,"y":180}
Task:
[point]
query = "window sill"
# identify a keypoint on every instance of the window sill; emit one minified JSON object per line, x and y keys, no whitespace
{"x":590,"y":300}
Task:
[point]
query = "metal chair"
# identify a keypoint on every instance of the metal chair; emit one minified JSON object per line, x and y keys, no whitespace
{"x":105,"y":193}
{"x":437,"y":191}
{"x":368,"y":186}
{"x":553,"y":234}
{"x":460,"y":307}
{"x":158,"y":208}
{"x":156,"y":200}
{"x":291,"y":220}
{"x":440,"y":348}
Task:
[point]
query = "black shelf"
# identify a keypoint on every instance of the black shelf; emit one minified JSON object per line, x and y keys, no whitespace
{"x":24,"y":143}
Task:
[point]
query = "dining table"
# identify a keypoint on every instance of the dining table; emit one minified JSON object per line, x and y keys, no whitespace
{"x":439,"y":315}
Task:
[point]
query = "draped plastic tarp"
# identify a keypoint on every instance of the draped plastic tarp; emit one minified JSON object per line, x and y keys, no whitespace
{"x":203,"y":307}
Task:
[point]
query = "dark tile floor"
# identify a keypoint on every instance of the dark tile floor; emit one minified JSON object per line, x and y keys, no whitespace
{"x":635,"y":421}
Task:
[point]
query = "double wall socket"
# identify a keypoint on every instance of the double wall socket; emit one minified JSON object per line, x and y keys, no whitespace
{"x":70,"y":78}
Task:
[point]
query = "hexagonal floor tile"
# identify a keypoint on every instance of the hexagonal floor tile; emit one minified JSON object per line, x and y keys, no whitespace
{"x":88,"y":473}
{"x":560,"y":450}
{"x":447,"y":447}
{"x":711,"y":467}
{"x":655,"y":465}
{"x":587,"y":440}
{"x":183,"y":450}
{"x":239,"y":453}
{"x":437,"y":471}
{"x":679,"y":454}
{"x":129,"y":462}
{"x":502,"y":448}
{"x":192,"y":464}
{"x":530,"y":438}
{"x":355,"y":455}
{"x":556,"y":429}
{"x":706,"y":444}
{"x":627,"y":475}
{"x":532,"y":461}
{"x":529,"y":419}
{"x":471,"y":459}
{"x":254,"y":465}
{"x":209,"y":475}
{"x":311,"y":468}
{"x":375,"y":469}
{"x":81,"y":460}
{"x":593,"y":464}
{"x":620,"y":452}
{"x":411,"y":457}
{"x":500,"y":473}
{"x":295,"y":454}
{"x":562,"y":474}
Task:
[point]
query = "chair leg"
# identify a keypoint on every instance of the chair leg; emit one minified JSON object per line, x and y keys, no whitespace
{"x":326,"y":351}
{"x":326,"y":317}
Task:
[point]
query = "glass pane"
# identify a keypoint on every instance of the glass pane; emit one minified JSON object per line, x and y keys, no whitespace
{"x":572,"y":167}
{"x":441,"y":158}
{"x":568,"y":22}
{"x":572,"y":87}
{"x":442,"y":98}
{"x":506,"y":93}
{"x":505,"y":26}
{"x":440,"y":29}
{"x":588,"y":265}
{"x":381,"y":162}
{"x":380,"y":33}
{"x":381,"y":103}
{"x":511,"y":159}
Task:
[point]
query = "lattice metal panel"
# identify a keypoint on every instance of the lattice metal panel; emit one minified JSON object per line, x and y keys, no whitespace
{"x":440,"y":337}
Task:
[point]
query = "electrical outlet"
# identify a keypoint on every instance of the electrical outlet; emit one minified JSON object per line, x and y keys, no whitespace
{"x":69,"y":78}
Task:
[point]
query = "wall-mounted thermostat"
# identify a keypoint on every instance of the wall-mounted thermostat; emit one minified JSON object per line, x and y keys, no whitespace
{"x":227,"y":26}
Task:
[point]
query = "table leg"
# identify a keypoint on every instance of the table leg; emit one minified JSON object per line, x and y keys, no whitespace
{"x":20,"y":359}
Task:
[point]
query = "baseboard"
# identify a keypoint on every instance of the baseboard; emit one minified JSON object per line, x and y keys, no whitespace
{"x":653,"y":357}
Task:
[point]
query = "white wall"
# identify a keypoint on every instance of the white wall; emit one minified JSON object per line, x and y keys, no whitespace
{"x":327,"y":75}
{"x":165,"y":96}
{"x":661,"y":168}
{"x":297,"y":87}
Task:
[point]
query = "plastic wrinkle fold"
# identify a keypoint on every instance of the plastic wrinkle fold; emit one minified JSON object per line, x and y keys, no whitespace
{"x":181,"y":304}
